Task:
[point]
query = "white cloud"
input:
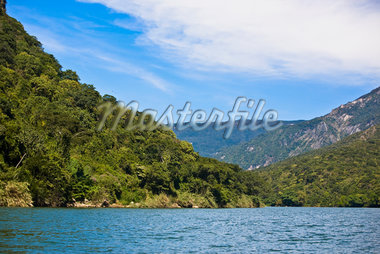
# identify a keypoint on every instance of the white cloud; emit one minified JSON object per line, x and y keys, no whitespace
{"x":74,"y":38}
{"x":271,"y":37}
{"x":132,"y":25}
{"x":130,"y":69}
{"x":50,"y":43}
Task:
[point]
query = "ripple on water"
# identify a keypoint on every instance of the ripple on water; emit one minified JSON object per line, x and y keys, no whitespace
{"x":190,"y":230}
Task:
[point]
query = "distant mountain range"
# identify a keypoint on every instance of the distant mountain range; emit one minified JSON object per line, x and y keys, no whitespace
{"x":209,"y":141}
{"x":254,"y":149}
{"x":294,"y":139}
{"x":51,"y":153}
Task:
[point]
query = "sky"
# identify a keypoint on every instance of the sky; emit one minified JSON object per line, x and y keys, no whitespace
{"x":303,"y":57}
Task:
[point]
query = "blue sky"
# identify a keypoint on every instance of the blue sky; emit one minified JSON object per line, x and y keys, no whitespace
{"x":304,"y":60}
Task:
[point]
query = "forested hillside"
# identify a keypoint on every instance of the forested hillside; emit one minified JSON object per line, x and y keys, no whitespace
{"x":295,"y":139}
{"x":344,"y":174}
{"x":52,"y":155}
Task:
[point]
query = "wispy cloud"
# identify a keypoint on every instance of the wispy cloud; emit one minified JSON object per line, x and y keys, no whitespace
{"x":270,"y":38}
{"x":133,"y":25}
{"x":50,"y":42}
{"x":75,"y":37}
{"x":130,"y":69}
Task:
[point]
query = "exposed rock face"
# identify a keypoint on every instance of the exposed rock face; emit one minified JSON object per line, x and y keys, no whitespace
{"x":175,"y":205}
{"x":105,"y":203}
{"x":291,"y":140}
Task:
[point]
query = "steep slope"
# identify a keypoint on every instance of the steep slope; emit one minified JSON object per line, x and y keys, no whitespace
{"x":52,"y":154}
{"x":343,"y":174}
{"x":291,"y":140}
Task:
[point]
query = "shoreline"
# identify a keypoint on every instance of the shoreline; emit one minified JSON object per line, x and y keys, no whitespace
{"x":87,"y":206}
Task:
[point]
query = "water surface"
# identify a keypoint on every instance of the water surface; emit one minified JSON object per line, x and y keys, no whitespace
{"x":342,"y":230}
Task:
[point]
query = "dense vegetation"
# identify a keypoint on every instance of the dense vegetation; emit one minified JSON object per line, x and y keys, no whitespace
{"x":52,"y":154}
{"x":344,"y":174}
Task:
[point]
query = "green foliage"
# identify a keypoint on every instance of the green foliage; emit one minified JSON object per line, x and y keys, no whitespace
{"x":69,"y":75}
{"x":52,"y":154}
{"x":49,"y":143}
{"x":344,"y":174}
{"x":209,"y":142}
{"x":15,"y":194}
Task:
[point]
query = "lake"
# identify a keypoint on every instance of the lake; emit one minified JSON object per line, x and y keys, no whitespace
{"x":261,"y":230}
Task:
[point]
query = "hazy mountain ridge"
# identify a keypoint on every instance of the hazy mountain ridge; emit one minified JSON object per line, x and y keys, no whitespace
{"x":209,"y":141}
{"x":291,"y":140}
{"x":52,"y":155}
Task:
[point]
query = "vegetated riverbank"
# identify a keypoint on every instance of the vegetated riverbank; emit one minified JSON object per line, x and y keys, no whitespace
{"x":52,"y":153}
{"x":185,"y":200}
{"x":16,"y":194}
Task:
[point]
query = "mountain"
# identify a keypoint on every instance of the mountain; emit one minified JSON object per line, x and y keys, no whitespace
{"x":209,"y":141}
{"x":51,"y":153}
{"x":346,"y":173}
{"x":294,"y":139}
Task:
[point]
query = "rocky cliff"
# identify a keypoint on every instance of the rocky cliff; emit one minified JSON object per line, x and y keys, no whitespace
{"x":291,"y":140}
